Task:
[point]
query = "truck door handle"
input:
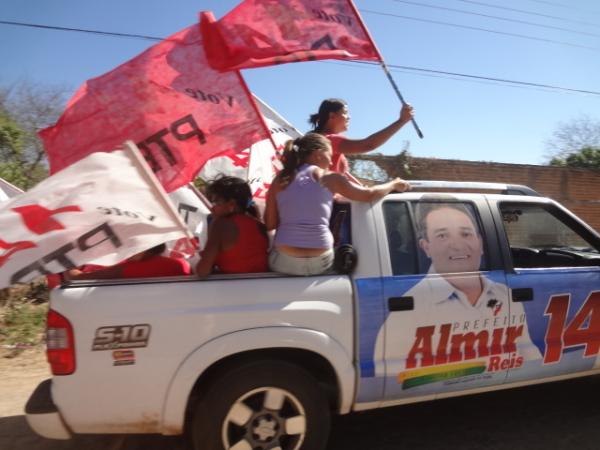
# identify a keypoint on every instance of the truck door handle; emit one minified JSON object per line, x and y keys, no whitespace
{"x":401,"y":303}
{"x":522,"y":294}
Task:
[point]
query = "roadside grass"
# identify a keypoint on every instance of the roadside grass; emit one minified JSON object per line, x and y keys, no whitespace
{"x":22,"y":317}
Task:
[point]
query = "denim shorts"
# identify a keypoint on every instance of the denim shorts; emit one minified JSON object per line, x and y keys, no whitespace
{"x":294,"y":265}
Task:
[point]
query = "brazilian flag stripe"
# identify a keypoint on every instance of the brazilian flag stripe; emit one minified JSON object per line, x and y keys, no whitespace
{"x":434,"y":377}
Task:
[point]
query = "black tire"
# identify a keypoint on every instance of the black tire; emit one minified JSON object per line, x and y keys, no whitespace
{"x":262,"y":403}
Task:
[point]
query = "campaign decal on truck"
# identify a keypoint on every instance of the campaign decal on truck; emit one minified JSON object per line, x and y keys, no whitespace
{"x":556,"y":334}
{"x":460,"y":352}
{"x":459,"y":326}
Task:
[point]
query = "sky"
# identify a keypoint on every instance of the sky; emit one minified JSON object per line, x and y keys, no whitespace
{"x":554,"y":42}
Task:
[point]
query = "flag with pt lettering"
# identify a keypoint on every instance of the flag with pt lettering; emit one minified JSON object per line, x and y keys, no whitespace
{"x":168,"y":100}
{"x":260,"y":33}
{"x":100,"y":210}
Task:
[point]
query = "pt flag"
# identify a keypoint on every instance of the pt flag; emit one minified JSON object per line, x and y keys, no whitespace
{"x":178,"y":110}
{"x":100,"y":210}
{"x":260,"y":33}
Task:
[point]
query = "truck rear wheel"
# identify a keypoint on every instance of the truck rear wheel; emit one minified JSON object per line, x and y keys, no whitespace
{"x":264,"y":405}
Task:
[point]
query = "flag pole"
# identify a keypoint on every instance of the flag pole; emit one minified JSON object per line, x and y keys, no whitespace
{"x":260,"y":118}
{"x":161,"y":196}
{"x":399,"y":94}
{"x":384,"y":65}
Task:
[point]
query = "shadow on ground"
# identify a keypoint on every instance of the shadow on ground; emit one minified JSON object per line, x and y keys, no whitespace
{"x":15,"y":434}
{"x":556,"y":416}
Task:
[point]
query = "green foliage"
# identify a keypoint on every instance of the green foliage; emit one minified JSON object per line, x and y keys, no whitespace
{"x":13,"y":165}
{"x":25,"y":108}
{"x":586,"y":158}
{"x":11,"y":149}
{"x":23,"y":175}
{"x":23,"y":324}
{"x":11,"y":136}
{"x":23,"y":310}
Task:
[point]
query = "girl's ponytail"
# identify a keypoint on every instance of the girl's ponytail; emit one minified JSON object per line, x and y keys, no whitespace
{"x":296,"y":153}
{"x":291,"y":160}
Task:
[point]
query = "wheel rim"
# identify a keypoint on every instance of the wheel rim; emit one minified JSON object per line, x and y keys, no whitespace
{"x":266,"y":418}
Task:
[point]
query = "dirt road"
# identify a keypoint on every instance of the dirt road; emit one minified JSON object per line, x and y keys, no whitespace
{"x":556,"y":416}
{"x":19,"y":376}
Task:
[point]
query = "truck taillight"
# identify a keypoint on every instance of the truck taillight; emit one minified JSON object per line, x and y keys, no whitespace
{"x":60,"y":344}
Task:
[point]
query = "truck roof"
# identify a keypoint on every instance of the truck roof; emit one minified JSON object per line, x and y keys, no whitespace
{"x":473,"y":186}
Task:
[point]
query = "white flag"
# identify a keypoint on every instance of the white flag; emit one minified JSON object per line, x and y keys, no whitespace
{"x":7,"y":190}
{"x":100,"y":210}
{"x":193,"y":208}
{"x":259,"y":163}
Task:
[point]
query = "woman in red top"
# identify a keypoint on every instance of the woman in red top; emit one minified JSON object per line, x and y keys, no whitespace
{"x":237,"y":240}
{"x":333,"y":118}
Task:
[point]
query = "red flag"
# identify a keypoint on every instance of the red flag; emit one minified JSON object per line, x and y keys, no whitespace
{"x":178,"y":110}
{"x":265,"y":32}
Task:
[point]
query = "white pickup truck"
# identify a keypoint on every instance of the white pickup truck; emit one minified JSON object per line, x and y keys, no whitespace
{"x":452,"y":293}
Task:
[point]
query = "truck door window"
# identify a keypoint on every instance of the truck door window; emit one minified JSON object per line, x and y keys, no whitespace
{"x":401,"y":238}
{"x":340,"y":224}
{"x":543,"y":236}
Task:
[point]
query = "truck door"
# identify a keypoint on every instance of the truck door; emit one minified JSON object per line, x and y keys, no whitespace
{"x":449,"y":325}
{"x":553,"y":272}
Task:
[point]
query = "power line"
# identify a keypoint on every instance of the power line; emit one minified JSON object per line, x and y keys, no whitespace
{"x":154,"y":38}
{"x":481,"y":77}
{"x":487,"y":30}
{"x":447,"y":77}
{"x":522,"y":11}
{"x":501,"y":80}
{"x":419,"y":69}
{"x":562,"y":5}
{"x":80,"y":30}
{"x":489,"y":16}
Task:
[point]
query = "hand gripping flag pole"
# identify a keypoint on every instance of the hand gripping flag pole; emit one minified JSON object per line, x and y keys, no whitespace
{"x":384,"y":66}
{"x":399,"y":94}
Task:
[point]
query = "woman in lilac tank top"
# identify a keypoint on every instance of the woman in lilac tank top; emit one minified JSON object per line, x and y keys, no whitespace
{"x":299,"y":206}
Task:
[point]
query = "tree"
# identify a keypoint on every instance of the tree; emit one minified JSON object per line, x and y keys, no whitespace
{"x":367,"y":170}
{"x":11,"y":148}
{"x":587,"y":157}
{"x":364,"y":167}
{"x":572,"y":137}
{"x":27,"y":107}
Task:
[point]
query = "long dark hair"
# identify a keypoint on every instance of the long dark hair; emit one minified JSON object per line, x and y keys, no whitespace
{"x":319,"y":119}
{"x":296,"y":153}
{"x":233,"y":188}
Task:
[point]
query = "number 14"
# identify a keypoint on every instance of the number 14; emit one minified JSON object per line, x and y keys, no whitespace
{"x":584,"y":328}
